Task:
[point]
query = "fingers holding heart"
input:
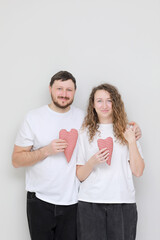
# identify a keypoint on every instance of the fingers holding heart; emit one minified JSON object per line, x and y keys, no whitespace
{"x":103,"y":155}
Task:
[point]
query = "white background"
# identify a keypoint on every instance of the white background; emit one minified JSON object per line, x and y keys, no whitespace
{"x":98,"y":41}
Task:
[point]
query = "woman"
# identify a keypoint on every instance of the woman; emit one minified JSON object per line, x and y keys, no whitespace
{"x":107,"y":208}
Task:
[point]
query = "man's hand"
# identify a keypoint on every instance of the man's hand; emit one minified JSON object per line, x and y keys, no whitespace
{"x":23,"y":156}
{"x":56,"y":146}
{"x":136,"y":129}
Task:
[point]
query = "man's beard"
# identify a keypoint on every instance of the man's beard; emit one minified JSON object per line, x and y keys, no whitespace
{"x":61,"y":106}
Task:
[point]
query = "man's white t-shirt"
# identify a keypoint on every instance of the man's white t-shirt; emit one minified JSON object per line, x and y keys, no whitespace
{"x":52,"y":179}
{"x":106,"y":184}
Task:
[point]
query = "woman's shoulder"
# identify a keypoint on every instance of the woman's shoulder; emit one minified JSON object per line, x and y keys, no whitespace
{"x":83,"y":132}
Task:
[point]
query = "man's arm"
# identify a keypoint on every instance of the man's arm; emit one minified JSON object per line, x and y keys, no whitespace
{"x":23,"y":156}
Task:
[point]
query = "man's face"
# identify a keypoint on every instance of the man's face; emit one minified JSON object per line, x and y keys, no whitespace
{"x":62,"y":93}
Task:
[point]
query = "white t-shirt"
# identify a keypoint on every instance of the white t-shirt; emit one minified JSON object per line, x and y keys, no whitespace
{"x":106,"y":184}
{"x":52,"y":179}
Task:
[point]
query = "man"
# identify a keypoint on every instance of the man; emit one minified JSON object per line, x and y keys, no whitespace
{"x":51,"y":182}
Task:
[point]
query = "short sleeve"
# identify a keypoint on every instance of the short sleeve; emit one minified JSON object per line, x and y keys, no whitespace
{"x":24,"y":136}
{"x":81,"y":156}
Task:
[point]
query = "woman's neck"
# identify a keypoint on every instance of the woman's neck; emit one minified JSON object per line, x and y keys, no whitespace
{"x":105,"y":121}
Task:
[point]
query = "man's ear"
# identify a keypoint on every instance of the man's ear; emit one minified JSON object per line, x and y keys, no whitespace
{"x":50,"y":88}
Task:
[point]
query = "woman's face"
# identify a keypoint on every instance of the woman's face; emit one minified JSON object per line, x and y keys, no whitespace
{"x":103,"y":106}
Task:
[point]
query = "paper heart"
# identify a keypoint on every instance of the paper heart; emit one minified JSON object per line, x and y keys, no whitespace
{"x":106,"y":143}
{"x":71,"y":139}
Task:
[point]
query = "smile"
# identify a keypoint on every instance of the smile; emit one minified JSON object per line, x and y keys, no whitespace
{"x":105,"y":111}
{"x":63,"y":98}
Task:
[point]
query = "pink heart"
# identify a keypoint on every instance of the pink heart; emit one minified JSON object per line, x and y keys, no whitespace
{"x":71,"y":139}
{"x":106,"y":143}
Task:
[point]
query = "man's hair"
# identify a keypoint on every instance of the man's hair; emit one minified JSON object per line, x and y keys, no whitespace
{"x":63,"y":76}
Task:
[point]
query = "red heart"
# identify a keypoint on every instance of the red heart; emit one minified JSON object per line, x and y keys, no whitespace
{"x":106,"y":143}
{"x":71,"y":139}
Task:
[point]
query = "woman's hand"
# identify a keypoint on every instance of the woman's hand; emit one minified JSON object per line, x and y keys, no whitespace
{"x":129,"y":135}
{"x":83,"y":171}
{"x":100,"y":157}
{"x":136,"y":128}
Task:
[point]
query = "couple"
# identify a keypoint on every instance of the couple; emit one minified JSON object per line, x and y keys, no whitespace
{"x":106,"y":208}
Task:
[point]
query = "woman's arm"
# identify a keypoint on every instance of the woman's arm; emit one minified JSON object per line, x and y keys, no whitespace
{"x":136,"y":161}
{"x":83,"y":171}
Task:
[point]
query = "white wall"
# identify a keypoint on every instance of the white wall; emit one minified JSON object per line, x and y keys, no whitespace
{"x":99,"y":41}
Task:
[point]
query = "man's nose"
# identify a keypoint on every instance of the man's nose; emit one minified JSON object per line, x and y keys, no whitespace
{"x":64,"y":93}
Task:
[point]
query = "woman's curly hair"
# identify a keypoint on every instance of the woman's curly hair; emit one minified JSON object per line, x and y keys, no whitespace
{"x":91,"y":121}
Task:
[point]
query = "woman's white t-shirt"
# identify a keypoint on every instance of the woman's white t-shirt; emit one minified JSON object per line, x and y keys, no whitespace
{"x":106,"y":184}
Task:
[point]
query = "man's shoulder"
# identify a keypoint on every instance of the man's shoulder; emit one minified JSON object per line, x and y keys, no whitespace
{"x":78,"y":111}
{"x":37,"y":112}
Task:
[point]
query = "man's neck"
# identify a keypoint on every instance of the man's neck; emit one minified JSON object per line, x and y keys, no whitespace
{"x":57,"y":109}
